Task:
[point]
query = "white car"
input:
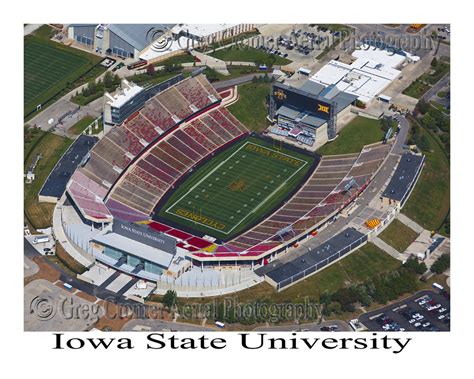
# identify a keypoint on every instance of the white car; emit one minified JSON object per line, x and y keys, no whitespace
{"x":412,"y":321}
{"x":426,"y":324}
{"x":417,"y":324}
{"x":440,"y":317}
{"x":442,"y":310}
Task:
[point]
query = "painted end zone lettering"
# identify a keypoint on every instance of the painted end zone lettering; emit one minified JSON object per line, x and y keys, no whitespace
{"x":200,"y":219}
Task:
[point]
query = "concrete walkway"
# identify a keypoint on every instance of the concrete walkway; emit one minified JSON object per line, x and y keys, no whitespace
{"x":60,"y":236}
{"x":30,"y":28}
{"x":214,"y":63}
{"x":386,"y":247}
{"x":410,"y":223}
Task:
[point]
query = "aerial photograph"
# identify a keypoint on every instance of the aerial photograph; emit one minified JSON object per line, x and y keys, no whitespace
{"x":236,"y":177}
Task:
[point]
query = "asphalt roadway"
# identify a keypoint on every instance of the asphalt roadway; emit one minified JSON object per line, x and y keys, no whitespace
{"x":342,"y":326}
{"x":154,"y":325}
{"x":436,"y":88}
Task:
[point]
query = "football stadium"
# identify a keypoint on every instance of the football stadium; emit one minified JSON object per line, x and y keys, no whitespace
{"x":178,"y":192}
{"x":182,"y":170}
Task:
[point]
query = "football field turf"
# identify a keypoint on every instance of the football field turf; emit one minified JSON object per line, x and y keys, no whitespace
{"x":48,"y":69}
{"x":236,"y":188}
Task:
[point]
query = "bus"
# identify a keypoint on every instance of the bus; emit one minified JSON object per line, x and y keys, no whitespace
{"x":136,"y":64}
{"x":220,"y":324}
{"x":438,"y":286}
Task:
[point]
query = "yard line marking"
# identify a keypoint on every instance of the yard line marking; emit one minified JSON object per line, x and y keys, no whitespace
{"x":254,"y":209}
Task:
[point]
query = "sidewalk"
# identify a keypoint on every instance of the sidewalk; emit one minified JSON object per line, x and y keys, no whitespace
{"x":387,"y":248}
{"x":410,"y":223}
{"x":214,"y":63}
{"x":61,"y":237}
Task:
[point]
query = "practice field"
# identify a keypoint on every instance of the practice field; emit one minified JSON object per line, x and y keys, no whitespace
{"x":236,"y":188}
{"x":48,"y":68}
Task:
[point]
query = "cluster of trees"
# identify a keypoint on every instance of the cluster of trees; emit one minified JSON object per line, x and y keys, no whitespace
{"x":262,"y":79}
{"x":168,"y":67}
{"x":388,"y":123}
{"x":415,"y":265}
{"x":436,"y":121}
{"x":441,"y":264}
{"x":379,"y":289}
{"x":440,"y":68}
{"x":107,"y":83}
{"x":29,"y":133}
{"x":419,"y":138}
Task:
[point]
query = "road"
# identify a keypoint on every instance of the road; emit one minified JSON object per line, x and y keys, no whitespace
{"x":145,"y":325}
{"x":237,"y":81}
{"x":342,"y":326}
{"x":442,"y":83}
{"x":101,"y":293}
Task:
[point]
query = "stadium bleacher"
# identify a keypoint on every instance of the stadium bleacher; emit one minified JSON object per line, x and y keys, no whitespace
{"x":321,"y":195}
{"x":114,"y":153}
{"x":161,"y":166}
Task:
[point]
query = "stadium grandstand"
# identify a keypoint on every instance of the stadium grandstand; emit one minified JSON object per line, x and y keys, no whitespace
{"x":140,"y":162}
{"x":170,"y":151}
{"x":55,"y":185}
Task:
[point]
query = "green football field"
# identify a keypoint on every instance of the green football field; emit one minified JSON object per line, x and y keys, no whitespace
{"x":48,"y":69}
{"x":236,"y":188}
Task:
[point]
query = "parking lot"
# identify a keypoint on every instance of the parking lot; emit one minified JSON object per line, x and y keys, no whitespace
{"x":303,"y":44}
{"x":426,"y":311}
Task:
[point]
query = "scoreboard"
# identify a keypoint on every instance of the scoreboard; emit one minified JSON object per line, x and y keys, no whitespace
{"x":295,"y":98}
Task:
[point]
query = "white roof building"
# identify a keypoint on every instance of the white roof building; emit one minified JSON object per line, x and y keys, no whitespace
{"x":371,"y":72}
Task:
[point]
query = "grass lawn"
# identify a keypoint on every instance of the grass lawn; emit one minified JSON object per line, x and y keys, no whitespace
{"x":145,"y":80}
{"x":81,"y":125}
{"x":442,"y":94}
{"x":439,"y":106}
{"x":249,"y":54}
{"x":234,"y":72}
{"x":366,"y":262}
{"x":49,"y":67}
{"x":416,"y":89}
{"x":359,"y":132}
{"x":236,"y":188}
{"x":398,"y":235}
{"x":51,"y":147}
{"x":250,"y":109}
{"x":178,"y":59}
{"x":429,"y":203}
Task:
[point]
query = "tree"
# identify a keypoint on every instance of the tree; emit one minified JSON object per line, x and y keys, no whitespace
{"x":169,"y":299}
{"x":429,"y":121}
{"x":150,"y":70}
{"x":424,"y":143}
{"x":434,"y":62}
{"x":92,"y":88}
{"x":441,"y":264}
{"x":422,"y":106}
{"x":413,"y":264}
{"x":108,"y":80}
